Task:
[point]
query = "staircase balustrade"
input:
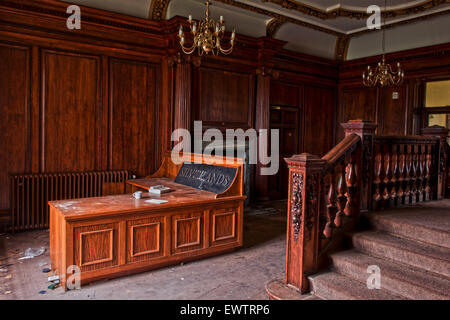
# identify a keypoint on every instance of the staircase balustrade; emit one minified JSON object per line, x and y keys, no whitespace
{"x":363,"y":172}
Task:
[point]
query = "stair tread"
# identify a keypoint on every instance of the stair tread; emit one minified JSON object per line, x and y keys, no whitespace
{"x":432,"y":256}
{"x":412,"y":278}
{"x":418,"y":223}
{"x":334,"y":286}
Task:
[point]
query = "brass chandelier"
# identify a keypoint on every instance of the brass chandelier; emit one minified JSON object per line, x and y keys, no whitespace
{"x":207,"y":36}
{"x":383,"y":75}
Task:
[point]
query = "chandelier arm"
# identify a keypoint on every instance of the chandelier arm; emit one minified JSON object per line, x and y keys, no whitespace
{"x":188,"y":50}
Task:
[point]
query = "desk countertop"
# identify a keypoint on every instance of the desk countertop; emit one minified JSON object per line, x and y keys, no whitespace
{"x":90,"y":207}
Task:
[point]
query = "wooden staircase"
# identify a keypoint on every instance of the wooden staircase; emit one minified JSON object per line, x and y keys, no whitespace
{"x":411,"y":248}
{"x":370,"y":201}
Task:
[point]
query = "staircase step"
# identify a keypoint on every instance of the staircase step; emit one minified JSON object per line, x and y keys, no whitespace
{"x":334,"y":286}
{"x":397,"y":278}
{"x":423,"y":256}
{"x":421,"y":223}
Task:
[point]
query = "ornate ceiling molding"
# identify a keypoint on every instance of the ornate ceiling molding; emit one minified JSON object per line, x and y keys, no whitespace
{"x":278,"y":16}
{"x":274,"y":25}
{"x":353,"y":13}
{"x":158,"y":9}
{"x":404,"y":22}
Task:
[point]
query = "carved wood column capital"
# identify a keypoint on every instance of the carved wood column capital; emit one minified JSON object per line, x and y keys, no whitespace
{"x":268,"y":72}
{"x":183,"y":59}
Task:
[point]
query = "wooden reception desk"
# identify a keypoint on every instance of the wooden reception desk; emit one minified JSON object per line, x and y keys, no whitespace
{"x":118,"y":235}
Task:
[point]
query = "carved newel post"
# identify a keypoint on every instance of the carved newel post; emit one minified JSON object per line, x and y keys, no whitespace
{"x":305,"y":176}
{"x":304,"y":203}
{"x":366,"y":131}
{"x":441,"y":156}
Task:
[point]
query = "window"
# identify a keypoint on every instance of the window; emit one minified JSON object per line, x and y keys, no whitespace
{"x":437,"y":104}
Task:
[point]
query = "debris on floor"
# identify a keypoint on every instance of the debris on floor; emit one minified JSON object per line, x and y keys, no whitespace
{"x":46,"y":270}
{"x":53,"y":286}
{"x":31,"y":253}
{"x":53,"y":278}
{"x":3,"y":270}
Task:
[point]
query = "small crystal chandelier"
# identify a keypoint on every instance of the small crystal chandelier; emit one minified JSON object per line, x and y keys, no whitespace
{"x":383,"y":75}
{"x":207,"y":36}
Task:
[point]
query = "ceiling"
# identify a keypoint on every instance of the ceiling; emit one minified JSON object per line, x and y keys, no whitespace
{"x":334,"y":29}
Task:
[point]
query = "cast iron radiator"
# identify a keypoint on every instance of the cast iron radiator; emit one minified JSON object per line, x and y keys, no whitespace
{"x":30,"y":193}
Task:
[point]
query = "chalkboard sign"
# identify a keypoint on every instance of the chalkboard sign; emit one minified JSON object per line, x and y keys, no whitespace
{"x":216,"y":179}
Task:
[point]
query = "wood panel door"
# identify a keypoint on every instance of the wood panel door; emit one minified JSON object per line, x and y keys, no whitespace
{"x":285,"y":119}
{"x":133,"y":105}
{"x":14,"y":115}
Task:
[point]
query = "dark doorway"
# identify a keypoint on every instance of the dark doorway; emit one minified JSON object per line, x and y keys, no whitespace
{"x":286,"y":119}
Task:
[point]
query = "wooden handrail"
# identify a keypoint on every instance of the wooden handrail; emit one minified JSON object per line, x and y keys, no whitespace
{"x":343,"y":149}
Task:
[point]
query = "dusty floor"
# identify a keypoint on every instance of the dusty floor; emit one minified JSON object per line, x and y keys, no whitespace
{"x":238,"y":275}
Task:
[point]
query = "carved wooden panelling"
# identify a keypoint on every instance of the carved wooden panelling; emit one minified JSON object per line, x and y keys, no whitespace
{"x":187,"y":232}
{"x":14,"y":114}
{"x":296,"y":204}
{"x":95,"y":247}
{"x":223,"y":226}
{"x":357,"y":103}
{"x":71,"y":112}
{"x":225,"y":98}
{"x":133,"y":101}
{"x":144,"y":239}
{"x":319,"y":120}
{"x":282,"y":94}
{"x":394,"y":110}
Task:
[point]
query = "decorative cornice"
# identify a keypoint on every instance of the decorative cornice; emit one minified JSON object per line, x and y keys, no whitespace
{"x":352,"y":13}
{"x":274,"y":25}
{"x":102,"y":20}
{"x":279,"y":16}
{"x":158,"y":9}
{"x":404,"y":22}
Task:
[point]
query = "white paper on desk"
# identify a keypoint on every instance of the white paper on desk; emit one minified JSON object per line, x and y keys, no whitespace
{"x":156,"y":201}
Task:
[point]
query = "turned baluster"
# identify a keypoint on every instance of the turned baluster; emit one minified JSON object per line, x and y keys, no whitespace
{"x":408,"y":175}
{"x":351,"y":181}
{"x":428,"y":166}
{"x":401,"y":175}
{"x":387,"y":176}
{"x":378,"y":165}
{"x":341,"y":198}
{"x":331,"y":208}
{"x":413,"y":174}
{"x":394,"y":174}
{"x":420,"y":173}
